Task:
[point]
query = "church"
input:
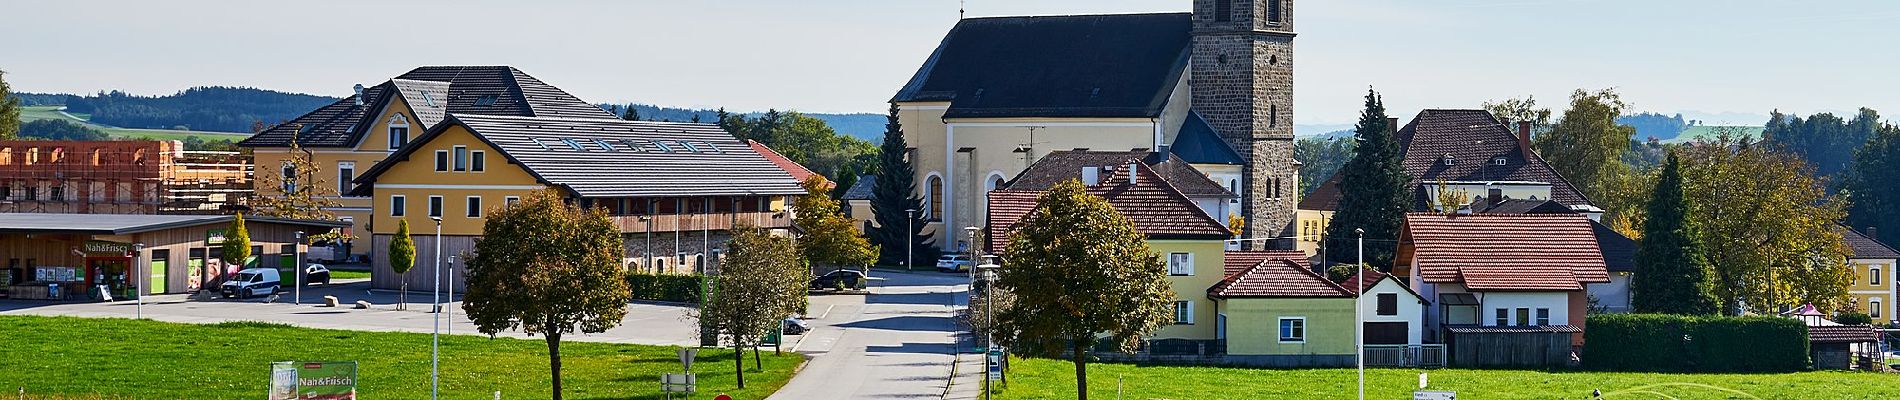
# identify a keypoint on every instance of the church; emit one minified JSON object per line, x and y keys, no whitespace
{"x":1213,"y":87}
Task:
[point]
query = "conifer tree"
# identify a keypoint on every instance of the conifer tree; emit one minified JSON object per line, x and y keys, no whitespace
{"x":402,"y":257}
{"x":1672,"y":276}
{"x":237,"y":243}
{"x":898,"y":231}
{"x":1372,"y":190}
{"x":630,"y":113}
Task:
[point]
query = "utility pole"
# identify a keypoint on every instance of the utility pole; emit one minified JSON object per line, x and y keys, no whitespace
{"x":910,"y":237}
{"x":435,"y":336}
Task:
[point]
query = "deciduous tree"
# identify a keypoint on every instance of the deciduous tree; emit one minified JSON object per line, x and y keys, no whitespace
{"x":1516,"y":109}
{"x":1078,"y":268}
{"x":1768,"y":223}
{"x":9,"y":110}
{"x":547,"y":267}
{"x":1587,"y":147}
{"x":1372,"y":193}
{"x":296,"y":189}
{"x":402,"y":257}
{"x":1320,"y":158}
{"x":899,"y":233}
{"x":830,"y":239}
{"x":759,"y":284}
{"x":1672,"y":274}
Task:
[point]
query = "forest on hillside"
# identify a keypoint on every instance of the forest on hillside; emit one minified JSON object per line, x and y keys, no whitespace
{"x":866,"y":126}
{"x":209,"y":108}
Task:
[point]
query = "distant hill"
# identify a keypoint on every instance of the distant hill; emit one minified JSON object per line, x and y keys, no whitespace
{"x":209,"y":108}
{"x":867,"y":126}
{"x":42,"y":99}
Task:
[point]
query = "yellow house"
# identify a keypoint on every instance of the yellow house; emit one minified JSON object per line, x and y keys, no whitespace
{"x":1873,"y":289}
{"x":674,"y":189}
{"x":1278,"y":313}
{"x":345,"y":138}
{"x":999,"y":94}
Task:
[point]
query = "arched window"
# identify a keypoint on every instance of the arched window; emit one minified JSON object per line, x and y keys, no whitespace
{"x":995,"y":182}
{"x":935,"y":197}
{"x":1233,"y":185}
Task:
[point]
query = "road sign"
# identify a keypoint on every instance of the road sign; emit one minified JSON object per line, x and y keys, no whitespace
{"x":722,"y":396}
{"x":1434,"y":395}
{"x":684,"y":383}
{"x":686,"y":357}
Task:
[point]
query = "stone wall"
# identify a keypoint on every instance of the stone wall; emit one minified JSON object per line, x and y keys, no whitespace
{"x":1241,"y":74}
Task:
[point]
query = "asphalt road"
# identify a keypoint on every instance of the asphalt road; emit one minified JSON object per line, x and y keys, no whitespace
{"x":896,"y":343}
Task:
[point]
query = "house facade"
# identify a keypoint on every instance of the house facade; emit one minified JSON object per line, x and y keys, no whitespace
{"x":119,"y":177}
{"x":1515,"y":275}
{"x":1394,"y":313}
{"x":999,"y":94}
{"x":1873,"y":263}
{"x":674,"y":189}
{"x":1279,"y":313}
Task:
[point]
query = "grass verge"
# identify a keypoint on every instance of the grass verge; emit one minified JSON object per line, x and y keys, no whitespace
{"x":1055,"y":379}
{"x":117,"y":358}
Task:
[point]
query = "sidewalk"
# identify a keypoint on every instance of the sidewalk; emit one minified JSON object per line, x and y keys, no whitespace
{"x":967,"y":381}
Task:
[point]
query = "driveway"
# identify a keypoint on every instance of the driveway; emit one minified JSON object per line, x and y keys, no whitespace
{"x":896,"y":343}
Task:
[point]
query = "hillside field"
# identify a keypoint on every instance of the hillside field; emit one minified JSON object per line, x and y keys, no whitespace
{"x":34,"y":113}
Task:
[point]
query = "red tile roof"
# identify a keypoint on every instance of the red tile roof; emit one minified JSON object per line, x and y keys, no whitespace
{"x":1862,"y":246}
{"x":1472,"y":138}
{"x":1239,"y":260}
{"x":1372,"y":278}
{"x":1276,"y":278}
{"x":1842,"y":334}
{"x":1503,"y":251}
{"x":797,"y":171}
{"x":1156,"y":208}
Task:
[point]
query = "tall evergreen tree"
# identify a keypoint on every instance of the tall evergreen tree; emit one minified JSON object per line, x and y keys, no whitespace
{"x":9,"y":110}
{"x":630,"y":113}
{"x":1871,"y":182}
{"x":1372,"y":190}
{"x":1672,"y":276}
{"x":898,"y":231}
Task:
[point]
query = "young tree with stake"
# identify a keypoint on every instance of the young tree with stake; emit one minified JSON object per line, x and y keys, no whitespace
{"x":402,"y":257}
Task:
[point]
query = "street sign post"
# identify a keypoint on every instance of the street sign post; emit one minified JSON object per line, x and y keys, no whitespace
{"x":686,"y":358}
{"x":1434,"y":395}
{"x":678,"y":383}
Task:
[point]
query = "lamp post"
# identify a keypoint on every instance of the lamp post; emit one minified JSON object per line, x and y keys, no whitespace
{"x":296,"y":262}
{"x":989,"y":321}
{"x":910,"y":237}
{"x":450,"y":308}
{"x":435,"y":336}
{"x":1358,"y":314}
{"x":138,"y":260}
{"x":647,"y":250}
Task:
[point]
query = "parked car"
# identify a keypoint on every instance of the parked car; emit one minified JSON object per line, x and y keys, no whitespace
{"x":793,"y":326}
{"x":953,"y":263}
{"x":316,"y":274}
{"x":252,"y":282}
{"x":847,"y":277}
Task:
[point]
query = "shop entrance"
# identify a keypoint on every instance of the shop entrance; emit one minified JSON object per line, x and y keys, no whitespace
{"x":109,"y":274}
{"x":161,"y":260}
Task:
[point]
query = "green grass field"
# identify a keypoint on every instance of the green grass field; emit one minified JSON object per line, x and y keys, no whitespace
{"x":119,"y":358}
{"x":1055,"y":379}
{"x":335,"y":274}
{"x":33,"y":113}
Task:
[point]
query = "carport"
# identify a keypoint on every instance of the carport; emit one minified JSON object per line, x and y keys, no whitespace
{"x":90,"y":256}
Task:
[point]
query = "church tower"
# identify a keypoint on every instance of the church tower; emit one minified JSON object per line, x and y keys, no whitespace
{"x":1241,"y":77}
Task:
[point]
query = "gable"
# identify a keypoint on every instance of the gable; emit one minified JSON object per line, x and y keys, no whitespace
{"x":418,"y":166}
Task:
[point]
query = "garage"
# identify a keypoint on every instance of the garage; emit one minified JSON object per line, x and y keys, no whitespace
{"x":1386,"y":332}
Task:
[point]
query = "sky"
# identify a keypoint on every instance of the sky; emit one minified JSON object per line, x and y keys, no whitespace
{"x":1701,"y":57}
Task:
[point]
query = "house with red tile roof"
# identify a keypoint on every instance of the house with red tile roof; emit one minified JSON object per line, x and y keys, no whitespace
{"x":1282,"y":314}
{"x":1501,"y":273}
{"x":796,"y":170}
{"x":1394,"y":313}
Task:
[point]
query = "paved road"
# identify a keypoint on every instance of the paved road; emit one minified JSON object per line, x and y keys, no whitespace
{"x":896,"y":343}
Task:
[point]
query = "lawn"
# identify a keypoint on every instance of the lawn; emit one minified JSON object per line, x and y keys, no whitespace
{"x":119,"y":358}
{"x":32,"y":113}
{"x":340,"y":275}
{"x":1055,"y":379}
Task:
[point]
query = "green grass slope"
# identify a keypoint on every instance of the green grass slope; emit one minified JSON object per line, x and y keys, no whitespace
{"x":33,"y":113}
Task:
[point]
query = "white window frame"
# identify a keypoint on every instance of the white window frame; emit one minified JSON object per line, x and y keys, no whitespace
{"x":1504,"y":320}
{"x":1542,"y":314}
{"x":510,"y":201}
{"x":1873,"y":274}
{"x":1185,"y":268}
{"x":1184,"y":308}
{"x":1282,"y":328}
{"x":397,"y":121}
{"x":398,"y":205}
{"x":472,"y":206}
{"x":441,"y":161}
{"x":343,"y":179}
{"x":1873,"y":307}
{"x":288,"y":172}
{"x":436,"y":206}
{"x":477,"y":160}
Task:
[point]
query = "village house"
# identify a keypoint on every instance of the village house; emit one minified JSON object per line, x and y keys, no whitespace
{"x":1394,"y":320}
{"x":1213,"y":87}
{"x":1873,"y":263}
{"x":675,"y":190}
{"x":120,"y":177}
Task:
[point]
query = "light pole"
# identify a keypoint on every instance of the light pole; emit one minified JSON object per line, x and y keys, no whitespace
{"x":296,"y":261}
{"x":138,"y":260}
{"x":971,"y":230}
{"x":450,"y":308}
{"x":435,"y":336}
{"x":1358,"y":314}
{"x":648,"y":249}
{"x":910,"y":237}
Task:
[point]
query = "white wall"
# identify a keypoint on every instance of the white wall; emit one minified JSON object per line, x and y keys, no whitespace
{"x":1557,"y":302}
{"x":1410,"y":311}
{"x":1615,"y":296}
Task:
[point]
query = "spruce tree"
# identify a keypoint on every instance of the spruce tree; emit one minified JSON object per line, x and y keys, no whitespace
{"x":630,"y":113}
{"x":1672,"y":276}
{"x":898,"y":231}
{"x":1372,"y":191}
{"x":9,"y":110}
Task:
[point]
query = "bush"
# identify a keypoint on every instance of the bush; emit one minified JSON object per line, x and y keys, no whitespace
{"x":1673,"y":343}
{"x":1853,"y":318}
{"x":674,"y":288}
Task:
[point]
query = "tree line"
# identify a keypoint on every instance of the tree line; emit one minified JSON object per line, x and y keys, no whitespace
{"x":209,"y":108}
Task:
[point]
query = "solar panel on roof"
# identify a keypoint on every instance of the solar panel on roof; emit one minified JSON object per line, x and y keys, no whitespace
{"x":573,"y":143}
{"x":603,"y":144}
{"x":485,"y":100}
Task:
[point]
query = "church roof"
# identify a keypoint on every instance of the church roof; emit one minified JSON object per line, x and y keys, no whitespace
{"x":1121,"y":65}
{"x":1199,"y":144}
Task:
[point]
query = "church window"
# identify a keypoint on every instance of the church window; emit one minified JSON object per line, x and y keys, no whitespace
{"x":935,"y":198}
{"x":1273,"y":11}
{"x":1273,"y":116}
{"x":1223,"y":10}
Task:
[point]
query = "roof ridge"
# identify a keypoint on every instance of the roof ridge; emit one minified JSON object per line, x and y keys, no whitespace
{"x":1052,"y":16}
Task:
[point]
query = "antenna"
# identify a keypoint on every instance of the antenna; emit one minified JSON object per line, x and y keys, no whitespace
{"x":960,"y":7}
{"x":1029,"y":149}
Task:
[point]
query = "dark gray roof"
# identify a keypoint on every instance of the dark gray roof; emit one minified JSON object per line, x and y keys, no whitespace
{"x":1863,"y":246}
{"x":480,"y":90}
{"x":1120,"y":65}
{"x":1517,"y":206}
{"x":863,"y":190}
{"x":1619,"y":252}
{"x":721,"y":165}
{"x":121,"y":224}
{"x":1198,"y":143}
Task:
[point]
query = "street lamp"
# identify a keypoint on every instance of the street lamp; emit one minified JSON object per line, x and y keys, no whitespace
{"x":435,"y":336}
{"x":971,"y":231}
{"x":450,"y":308}
{"x":648,"y":249}
{"x":989,"y":321}
{"x":910,"y":236}
{"x":296,"y":262}
{"x":1358,"y":313}
{"x":138,"y":280}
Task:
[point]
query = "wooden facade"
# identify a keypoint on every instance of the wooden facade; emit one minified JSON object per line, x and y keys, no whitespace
{"x":181,"y":257}
{"x":1510,"y":349}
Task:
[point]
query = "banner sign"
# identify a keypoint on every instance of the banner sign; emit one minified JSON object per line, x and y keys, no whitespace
{"x":313,"y":380}
{"x":214,"y":236}
{"x":101,"y":248}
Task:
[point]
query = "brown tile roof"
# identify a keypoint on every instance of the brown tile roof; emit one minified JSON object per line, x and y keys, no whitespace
{"x":1863,"y":246}
{"x":1472,"y":138}
{"x":1842,"y":334}
{"x":1503,"y":251}
{"x":1240,"y":260}
{"x":1276,"y":278}
{"x":797,"y":171}
{"x":1156,"y":208}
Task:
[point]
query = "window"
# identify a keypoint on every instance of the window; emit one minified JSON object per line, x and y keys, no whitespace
{"x":575,"y":144}
{"x":1293,"y":329}
{"x":345,"y":171}
{"x":474,"y":206}
{"x":1388,"y":304}
{"x":1273,"y":116}
{"x":56,"y":192}
{"x":935,"y":198}
{"x":1233,"y":185}
{"x":1503,"y":318}
{"x":461,"y":158}
{"x":1543,"y":316}
{"x":441,"y":161}
{"x":510,"y":200}
{"x":1181,"y":264}
{"x":398,"y":132}
{"x":1500,"y":160}
{"x":1223,"y":10}
{"x":435,"y":206}
{"x":1449,"y":160}
{"x":1873,"y":276}
{"x":397,"y":205}
{"x":289,"y":173}
{"x":1273,"y":11}
{"x":477,"y":160}
{"x":1523,"y":316}
{"x":1873,"y":308}
{"x":1183,"y":312}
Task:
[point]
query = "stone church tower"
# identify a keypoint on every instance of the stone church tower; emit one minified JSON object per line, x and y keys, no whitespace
{"x":1242,"y":82}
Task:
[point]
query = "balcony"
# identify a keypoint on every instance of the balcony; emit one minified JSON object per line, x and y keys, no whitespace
{"x":706,"y":221}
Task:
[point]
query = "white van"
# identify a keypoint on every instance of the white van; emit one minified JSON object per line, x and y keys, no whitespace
{"x":252,"y":282}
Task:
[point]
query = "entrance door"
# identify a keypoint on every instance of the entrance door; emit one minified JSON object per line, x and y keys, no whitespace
{"x":160,"y":263}
{"x":1386,"y":332}
{"x":109,"y":274}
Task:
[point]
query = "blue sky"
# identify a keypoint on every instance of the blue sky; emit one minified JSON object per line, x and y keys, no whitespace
{"x":1743,"y":57}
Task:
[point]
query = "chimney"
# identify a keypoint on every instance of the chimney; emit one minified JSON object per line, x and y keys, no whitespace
{"x":359,"y":95}
{"x":1524,"y":137}
{"x":1493,"y":196}
{"x":1391,"y":125}
{"x":1872,"y":232}
{"x":1132,"y":177}
{"x":1091,"y":175}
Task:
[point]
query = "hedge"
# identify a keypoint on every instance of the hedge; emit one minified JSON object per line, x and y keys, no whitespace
{"x":1673,"y":343}
{"x":674,"y":288}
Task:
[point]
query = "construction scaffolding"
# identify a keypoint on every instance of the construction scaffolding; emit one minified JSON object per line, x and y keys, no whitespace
{"x":121,"y":177}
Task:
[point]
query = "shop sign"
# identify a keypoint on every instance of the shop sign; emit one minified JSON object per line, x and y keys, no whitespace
{"x":214,"y":236}
{"x":313,"y":380}
{"x":101,"y":248}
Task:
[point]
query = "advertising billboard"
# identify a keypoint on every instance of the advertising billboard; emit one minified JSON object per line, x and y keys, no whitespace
{"x":328,"y":380}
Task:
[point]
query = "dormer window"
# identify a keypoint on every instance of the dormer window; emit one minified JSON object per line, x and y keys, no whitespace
{"x":1500,"y":160}
{"x":398,"y":132}
{"x":1449,"y":161}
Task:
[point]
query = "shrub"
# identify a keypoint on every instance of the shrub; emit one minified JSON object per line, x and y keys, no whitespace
{"x":1853,"y":318}
{"x":1672,"y":343}
{"x":674,"y":288}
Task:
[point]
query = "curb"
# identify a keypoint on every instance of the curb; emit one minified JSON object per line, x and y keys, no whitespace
{"x":952,"y":382}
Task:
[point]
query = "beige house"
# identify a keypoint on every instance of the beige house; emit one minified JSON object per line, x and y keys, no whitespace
{"x":1213,"y":87}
